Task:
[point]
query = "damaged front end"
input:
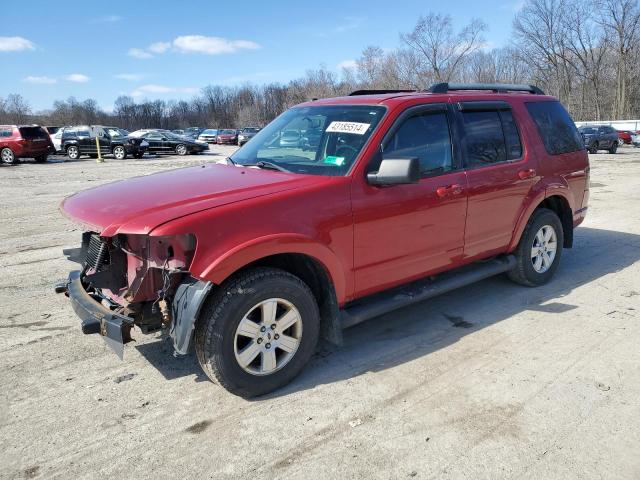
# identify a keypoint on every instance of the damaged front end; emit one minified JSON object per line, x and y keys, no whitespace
{"x":140,"y":280}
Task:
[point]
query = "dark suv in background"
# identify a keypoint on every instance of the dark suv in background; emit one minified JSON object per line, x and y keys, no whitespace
{"x":81,"y":140}
{"x":599,"y":137}
{"x":24,"y":141}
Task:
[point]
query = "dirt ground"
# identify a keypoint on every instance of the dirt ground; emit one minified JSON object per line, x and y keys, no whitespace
{"x":491,"y":381}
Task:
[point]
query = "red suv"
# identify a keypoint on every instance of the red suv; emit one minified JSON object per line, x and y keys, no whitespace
{"x":403,"y":196}
{"x":28,"y":141}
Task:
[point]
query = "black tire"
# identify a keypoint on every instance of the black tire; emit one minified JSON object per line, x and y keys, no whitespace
{"x":7,"y":156}
{"x":524,"y":272}
{"x":593,"y":148}
{"x":614,"y":148}
{"x":181,"y":149}
{"x":119,"y":152}
{"x":40,"y":158}
{"x":215,"y":333}
{"x":72,"y":152}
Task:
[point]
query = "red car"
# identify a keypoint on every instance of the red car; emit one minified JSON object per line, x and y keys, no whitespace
{"x":405,"y":195}
{"x":227,"y":137}
{"x":24,"y":141}
{"x":625,"y":136}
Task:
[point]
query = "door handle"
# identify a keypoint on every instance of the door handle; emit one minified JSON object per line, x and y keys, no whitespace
{"x":454,"y":189}
{"x":524,"y":174}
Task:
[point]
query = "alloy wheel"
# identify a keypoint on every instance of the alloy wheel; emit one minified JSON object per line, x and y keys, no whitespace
{"x":72,"y":153}
{"x":7,"y":156}
{"x":118,"y":152}
{"x":543,"y":251}
{"x":268,"y":336}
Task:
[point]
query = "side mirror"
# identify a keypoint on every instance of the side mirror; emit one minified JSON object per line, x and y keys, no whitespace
{"x":396,"y":171}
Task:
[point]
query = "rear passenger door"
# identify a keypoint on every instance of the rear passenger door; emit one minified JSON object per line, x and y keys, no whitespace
{"x":86,"y":144}
{"x":499,"y":175}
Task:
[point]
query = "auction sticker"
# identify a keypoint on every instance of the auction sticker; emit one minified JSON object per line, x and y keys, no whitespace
{"x":348,"y":127}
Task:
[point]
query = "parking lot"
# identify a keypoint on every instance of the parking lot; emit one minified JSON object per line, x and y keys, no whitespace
{"x":491,"y":381}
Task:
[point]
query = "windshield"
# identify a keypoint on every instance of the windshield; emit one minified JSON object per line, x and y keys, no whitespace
{"x":250,"y":130}
{"x":318,"y":140}
{"x":227,"y":132}
{"x":209,"y":132}
{"x":588,"y":130}
{"x":116,"y":132}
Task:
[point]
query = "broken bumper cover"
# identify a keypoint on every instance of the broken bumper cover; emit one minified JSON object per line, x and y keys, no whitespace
{"x":96,"y":318}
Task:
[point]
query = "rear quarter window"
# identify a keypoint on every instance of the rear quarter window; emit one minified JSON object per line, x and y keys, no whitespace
{"x":556,"y":127}
{"x":29,"y":133}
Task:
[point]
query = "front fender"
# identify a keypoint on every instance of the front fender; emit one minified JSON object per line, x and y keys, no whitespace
{"x":216,"y":267}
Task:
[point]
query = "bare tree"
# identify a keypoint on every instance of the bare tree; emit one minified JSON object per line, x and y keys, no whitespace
{"x":17,"y":109}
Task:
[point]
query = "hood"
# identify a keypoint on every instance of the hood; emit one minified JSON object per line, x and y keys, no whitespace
{"x":140,"y":204}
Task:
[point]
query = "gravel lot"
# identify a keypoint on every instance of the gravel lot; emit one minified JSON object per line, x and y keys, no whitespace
{"x":493,"y":381}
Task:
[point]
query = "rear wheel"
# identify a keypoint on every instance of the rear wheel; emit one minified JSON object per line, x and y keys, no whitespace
{"x":119,"y":152}
{"x":73,"y":153}
{"x":539,"y":251}
{"x":614,"y":148}
{"x":257,"y":331}
{"x":181,"y":150}
{"x":593,"y":148}
{"x":7,"y":156}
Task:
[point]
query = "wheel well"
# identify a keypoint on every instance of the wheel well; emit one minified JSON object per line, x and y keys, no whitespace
{"x":317,"y":278}
{"x":561,"y":207}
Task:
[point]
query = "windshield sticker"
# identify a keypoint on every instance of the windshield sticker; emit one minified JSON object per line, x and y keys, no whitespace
{"x":348,"y":127}
{"x":331,"y":160}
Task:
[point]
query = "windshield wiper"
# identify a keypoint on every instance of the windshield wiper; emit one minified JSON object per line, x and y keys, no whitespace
{"x":267,"y":166}
{"x":230,"y":160}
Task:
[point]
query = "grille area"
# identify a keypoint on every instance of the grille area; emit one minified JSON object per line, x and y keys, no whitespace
{"x":97,"y":253}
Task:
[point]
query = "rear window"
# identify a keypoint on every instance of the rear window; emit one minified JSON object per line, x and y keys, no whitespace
{"x":5,"y":132}
{"x":556,"y":128}
{"x":30,"y":133}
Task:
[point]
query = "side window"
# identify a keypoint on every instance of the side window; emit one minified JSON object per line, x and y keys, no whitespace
{"x":485,"y":140}
{"x":556,"y":127}
{"x":83,"y":133}
{"x":5,"y":132}
{"x":511,"y":136}
{"x":426,"y":136}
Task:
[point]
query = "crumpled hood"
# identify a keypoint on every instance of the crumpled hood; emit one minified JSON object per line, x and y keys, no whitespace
{"x":140,"y":204}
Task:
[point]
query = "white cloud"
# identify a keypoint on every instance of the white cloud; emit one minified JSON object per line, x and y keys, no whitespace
{"x":155,"y":89}
{"x":159,"y":47}
{"x":211,"y":45}
{"x":15,"y":44}
{"x":129,"y":77}
{"x":350,"y":23}
{"x":348,"y":64}
{"x":139,"y":53}
{"x":77,"y":78}
{"x":44,"y":80}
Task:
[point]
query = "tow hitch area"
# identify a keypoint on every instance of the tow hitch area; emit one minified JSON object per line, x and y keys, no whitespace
{"x":96,"y":318}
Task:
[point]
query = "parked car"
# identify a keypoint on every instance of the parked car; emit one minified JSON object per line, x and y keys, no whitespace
{"x":209,"y":135}
{"x":252,"y":261}
{"x":81,"y":140}
{"x":635,"y":139}
{"x":24,"y":141}
{"x":247,"y":134}
{"x":291,"y":139}
{"x":599,"y":137}
{"x":624,"y":137}
{"x":227,"y":136}
{"x":193,"y":132}
{"x":163,"y":141}
{"x":56,"y":139}
{"x":178,"y":132}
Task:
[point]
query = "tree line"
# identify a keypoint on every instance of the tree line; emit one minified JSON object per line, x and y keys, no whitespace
{"x":584,"y":52}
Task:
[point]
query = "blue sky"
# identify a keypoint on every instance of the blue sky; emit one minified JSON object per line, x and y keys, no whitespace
{"x":160,"y":49}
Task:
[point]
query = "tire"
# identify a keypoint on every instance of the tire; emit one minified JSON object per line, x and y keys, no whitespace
{"x":181,"y":150}
{"x":614,"y":148}
{"x":219,"y":345}
{"x":138,"y":155}
{"x":526,"y":271}
{"x":119,"y":152}
{"x":73,"y":153}
{"x":40,"y":158}
{"x":593,"y":148}
{"x":7,"y":156}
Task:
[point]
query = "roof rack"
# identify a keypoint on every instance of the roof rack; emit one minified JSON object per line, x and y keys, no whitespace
{"x":378,"y":92}
{"x":495,"y":87}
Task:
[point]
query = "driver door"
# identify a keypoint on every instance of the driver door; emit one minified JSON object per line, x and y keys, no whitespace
{"x":405,"y":232}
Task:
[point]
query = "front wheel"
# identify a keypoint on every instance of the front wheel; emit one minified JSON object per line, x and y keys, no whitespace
{"x":539,"y":251}
{"x":257,"y":331}
{"x":73,"y":153}
{"x":7,"y":156}
{"x":614,"y":148}
{"x":593,"y":148}
{"x":119,"y":152}
{"x":181,"y":150}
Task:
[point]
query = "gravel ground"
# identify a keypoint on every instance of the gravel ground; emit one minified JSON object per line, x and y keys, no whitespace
{"x":492,"y":381}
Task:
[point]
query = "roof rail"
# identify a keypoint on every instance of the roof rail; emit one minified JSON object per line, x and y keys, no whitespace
{"x":495,"y":87}
{"x":377,"y":92}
